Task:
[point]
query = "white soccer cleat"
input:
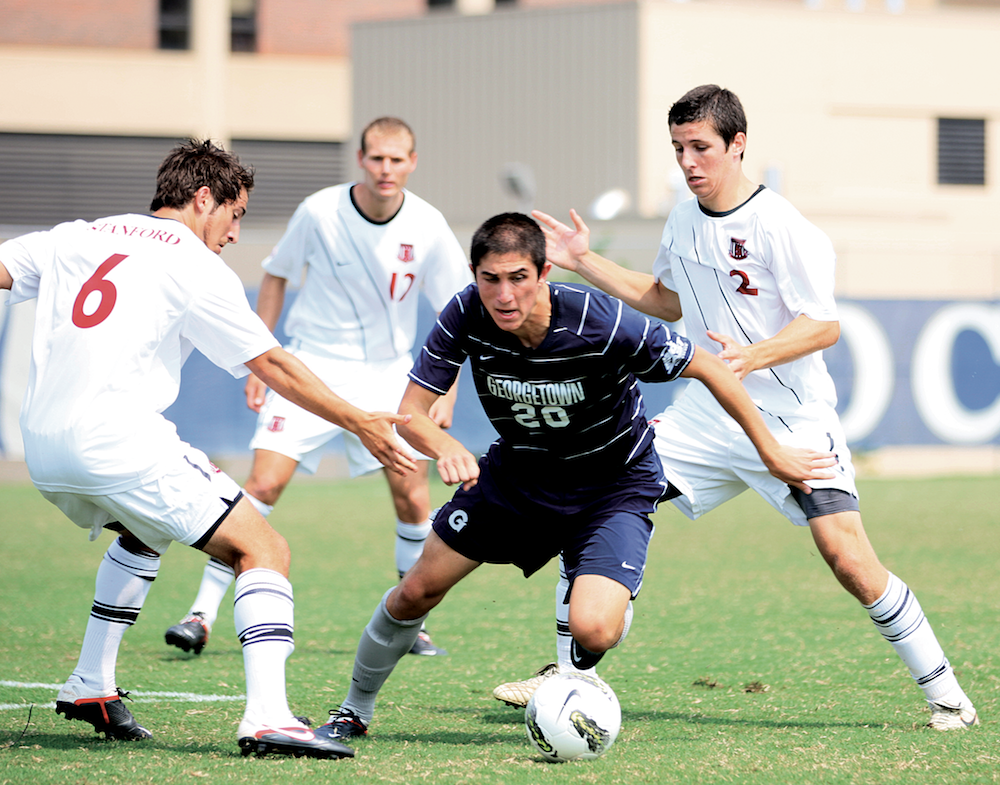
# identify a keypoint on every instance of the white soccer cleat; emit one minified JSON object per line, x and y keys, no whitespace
{"x":945,"y":717}
{"x":518,"y":693}
{"x":294,"y":739}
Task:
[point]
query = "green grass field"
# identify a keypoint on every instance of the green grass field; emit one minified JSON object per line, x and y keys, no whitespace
{"x":746,"y":662}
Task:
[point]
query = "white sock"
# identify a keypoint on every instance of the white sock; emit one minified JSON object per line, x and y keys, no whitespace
{"x":263,"y":509}
{"x":409,"y":543}
{"x":900,"y":619}
{"x":123,"y":581}
{"x":564,"y":640}
{"x":215,"y":582}
{"x":264,"y":613}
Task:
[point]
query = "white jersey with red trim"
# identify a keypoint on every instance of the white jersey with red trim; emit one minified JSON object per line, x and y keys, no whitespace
{"x":747,"y":273}
{"x":361,"y":290}
{"x":121,"y":303}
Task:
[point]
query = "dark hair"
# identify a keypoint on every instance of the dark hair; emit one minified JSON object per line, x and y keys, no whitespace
{"x":720,"y":107}
{"x":509,"y":233}
{"x":387,"y":126}
{"x":193,"y":164}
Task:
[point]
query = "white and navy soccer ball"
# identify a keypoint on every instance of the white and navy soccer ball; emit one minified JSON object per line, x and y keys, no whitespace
{"x":573,"y":716}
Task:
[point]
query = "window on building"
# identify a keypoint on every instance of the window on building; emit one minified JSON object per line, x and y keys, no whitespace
{"x":961,"y":151}
{"x":437,"y":4}
{"x":175,"y":24}
{"x":244,"y":26}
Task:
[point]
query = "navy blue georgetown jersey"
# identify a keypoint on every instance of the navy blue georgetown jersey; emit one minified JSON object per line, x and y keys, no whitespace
{"x":569,"y":410}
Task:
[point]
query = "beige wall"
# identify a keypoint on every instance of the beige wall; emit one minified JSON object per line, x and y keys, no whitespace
{"x":120,"y":92}
{"x":845,"y":105}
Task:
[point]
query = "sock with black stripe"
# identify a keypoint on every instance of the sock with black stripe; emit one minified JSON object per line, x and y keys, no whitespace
{"x":264,"y":614}
{"x":123,"y":581}
{"x":900,"y":619}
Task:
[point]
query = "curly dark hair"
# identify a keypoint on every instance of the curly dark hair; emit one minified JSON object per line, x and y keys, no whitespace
{"x":193,"y":164}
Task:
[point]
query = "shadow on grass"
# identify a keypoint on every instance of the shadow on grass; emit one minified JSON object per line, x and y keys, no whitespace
{"x":506,"y":716}
{"x":74,"y":742}
{"x":207,"y":655}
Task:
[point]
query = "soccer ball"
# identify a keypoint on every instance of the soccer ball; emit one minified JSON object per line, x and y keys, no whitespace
{"x":573,"y":716}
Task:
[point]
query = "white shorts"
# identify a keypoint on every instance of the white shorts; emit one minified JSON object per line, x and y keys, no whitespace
{"x":183,"y":505}
{"x":709,"y":458}
{"x":286,"y":428}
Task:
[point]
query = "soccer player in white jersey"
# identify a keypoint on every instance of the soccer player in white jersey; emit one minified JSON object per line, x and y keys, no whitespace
{"x":121,"y":303}
{"x":367,"y":249}
{"x":754,"y":282}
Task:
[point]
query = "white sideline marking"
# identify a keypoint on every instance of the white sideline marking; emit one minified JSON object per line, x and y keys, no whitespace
{"x":139,"y":696}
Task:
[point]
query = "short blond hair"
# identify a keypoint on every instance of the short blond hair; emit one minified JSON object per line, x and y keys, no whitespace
{"x":387,"y":126}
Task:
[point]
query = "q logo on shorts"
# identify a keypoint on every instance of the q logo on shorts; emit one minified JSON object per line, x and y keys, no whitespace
{"x":458,"y":520}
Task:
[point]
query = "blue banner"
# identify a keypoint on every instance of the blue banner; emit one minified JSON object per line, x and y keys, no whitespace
{"x":918,"y":372}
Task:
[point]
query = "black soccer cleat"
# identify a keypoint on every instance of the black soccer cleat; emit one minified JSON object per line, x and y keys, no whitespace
{"x":108,"y":714}
{"x":343,"y":724}
{"x":296,"y":741}
{"x":190,"y":633}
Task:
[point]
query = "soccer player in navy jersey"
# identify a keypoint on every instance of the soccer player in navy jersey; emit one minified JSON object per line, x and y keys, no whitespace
{"x":574,"y":469}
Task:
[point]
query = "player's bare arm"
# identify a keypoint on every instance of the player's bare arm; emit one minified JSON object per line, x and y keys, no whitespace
{"x":291,"y":379}
{"x":455,"y":463}
{"x":801,"y":337}
{"x":443,"y":409}
{"x":6,"y":281}
{"x":792,"y":465}
{"x":270,"y":301}
{"x":569,"y":248}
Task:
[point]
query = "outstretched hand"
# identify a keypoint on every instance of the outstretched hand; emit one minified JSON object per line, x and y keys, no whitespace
{"x":738,"y":357}
{"x":794,"y":465}
{"x":256,"y":391}
{"x":564,"y":247}
{"x":377,"y":435}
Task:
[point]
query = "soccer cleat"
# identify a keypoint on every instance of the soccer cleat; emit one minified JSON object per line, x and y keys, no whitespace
{"x":343,"y":724}
{"x":425,"y":646}
{"x":297,"y":740}
{"x":945,"y":717}
{"x":191,"y":633}
{"x":518,"y":693}
{"x":106,"y":713}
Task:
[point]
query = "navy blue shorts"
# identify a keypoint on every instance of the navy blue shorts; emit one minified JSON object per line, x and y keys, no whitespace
{"x":825,"y":501}
{"x":607,"y":531}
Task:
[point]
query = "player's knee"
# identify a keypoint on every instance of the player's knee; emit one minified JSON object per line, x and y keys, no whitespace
{"x":412,"y":504}
{"x":264,"y":488}
{"x":269,"y":552}
{"x":595,"y":634}
{"x":415,"y":596}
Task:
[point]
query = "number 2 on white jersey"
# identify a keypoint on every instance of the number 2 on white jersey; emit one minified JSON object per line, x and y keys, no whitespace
{"x":97,"y":283}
